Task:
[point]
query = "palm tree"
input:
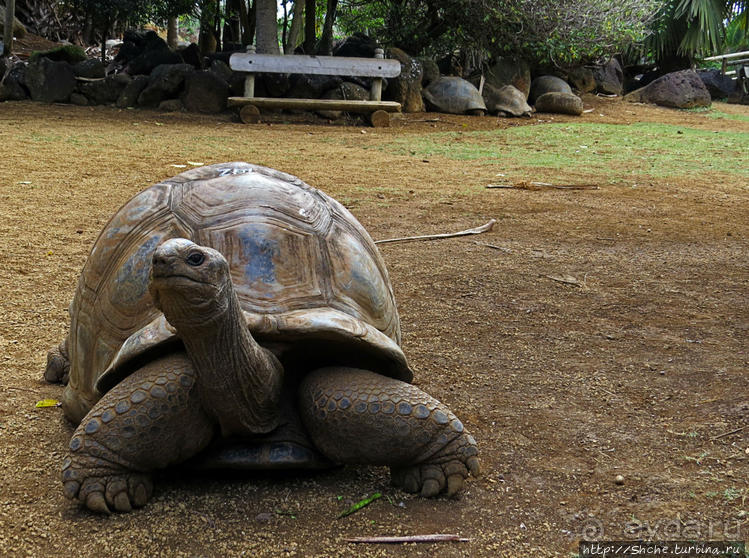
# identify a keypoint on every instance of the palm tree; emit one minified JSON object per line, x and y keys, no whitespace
{"x":689,"y":29}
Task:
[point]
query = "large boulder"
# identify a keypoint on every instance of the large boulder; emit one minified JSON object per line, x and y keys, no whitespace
{"x":682,"y":89}
{"x":72,"y":54}
{"x":405,"y":88}
{"x":581,"y":79}
{"x":11,"y":88}
{"x":205,"y":92}
{"x":49,"y":81}
{"x":222,"y":70}
{"x":547,"y":84}
{"x":104,"y":91}
{"x":609,"y":78}
{"x":510,"y":71}
{"x":430,"y":71}
{"x":90,"y":68}
{"x":346,"y":90}
{"x":165,"y":82}
{"x":561,"y":103}
{"x":130,"y":93}
{"x":507,"y":100}
{"x":311,"y":86}
{"x":19,"y":31}
{"x":142,"y":52}
{"x":357,"y":45}
{"x":191,"y":55}
{"x":719,"y":85}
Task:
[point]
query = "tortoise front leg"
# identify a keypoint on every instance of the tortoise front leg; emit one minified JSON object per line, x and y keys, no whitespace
{"x":358,"y":416}
{"x":150,"y":420}
{"x":58,"y":364}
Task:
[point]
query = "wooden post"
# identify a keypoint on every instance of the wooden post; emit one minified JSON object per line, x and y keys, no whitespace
{"x":376,"y":93}
{"x":249,"y":80}
{"x":724,"y":66}
{"x":10,"y":17}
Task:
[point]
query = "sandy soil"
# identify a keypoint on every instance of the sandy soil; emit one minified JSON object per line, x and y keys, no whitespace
{"x":638,"y":370}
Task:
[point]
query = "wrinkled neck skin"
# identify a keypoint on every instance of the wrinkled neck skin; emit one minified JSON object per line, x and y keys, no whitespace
{"x":239,"y":381}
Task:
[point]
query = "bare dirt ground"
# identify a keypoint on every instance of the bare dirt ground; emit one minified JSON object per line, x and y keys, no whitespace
{"x":638,"y":370}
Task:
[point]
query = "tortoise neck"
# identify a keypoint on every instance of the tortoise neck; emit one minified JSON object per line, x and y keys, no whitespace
{"x":239,"y":381}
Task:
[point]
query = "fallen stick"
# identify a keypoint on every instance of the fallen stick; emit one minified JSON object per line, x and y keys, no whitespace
{"x":478,"y":230}
{"x":19,"y":388}
{"x":409,"y":539}
{"x":500,"y":248}
{"x":544,"y":186}
{"x":566,"y":279}
{"x":719,"y":436}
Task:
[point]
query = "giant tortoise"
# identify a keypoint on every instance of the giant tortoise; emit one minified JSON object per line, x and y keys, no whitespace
{"x":233,"y":316}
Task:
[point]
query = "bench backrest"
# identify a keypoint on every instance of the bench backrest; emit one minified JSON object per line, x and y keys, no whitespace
{"x":320,"y":65}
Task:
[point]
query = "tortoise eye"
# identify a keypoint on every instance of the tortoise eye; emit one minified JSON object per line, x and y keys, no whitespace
{"x":195,"y":259}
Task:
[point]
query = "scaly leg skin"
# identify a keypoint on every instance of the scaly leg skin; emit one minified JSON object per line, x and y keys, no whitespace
{"x":58,"y":364}
{"x":358,"y":416}
{"x":150,"y":420}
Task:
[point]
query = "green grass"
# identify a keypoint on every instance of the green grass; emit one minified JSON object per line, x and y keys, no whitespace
{"x":658,"y":150}
{"x":715,"y":113}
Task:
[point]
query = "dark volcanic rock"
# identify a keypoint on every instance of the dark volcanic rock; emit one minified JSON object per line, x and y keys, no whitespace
{"x":130,"y":93}
{"x":720,"y":86}
{"x":609,"y":78}
{"x":91,"y":68}
{"x":205,"y":92}
{"x":164,"y":82}
{"x":682,"y":89}
{"x":405,"y":88}
{"x":48,"y":81}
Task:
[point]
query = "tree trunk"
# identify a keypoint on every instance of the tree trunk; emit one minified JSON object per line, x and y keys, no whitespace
{"x":247,"y":20}
{"x":310,"y":33}
{"x":104,"y":35}
{"x":285,"y":26}
{"x":171,"y":32}
{"x":292,"y":40}
{"x":266,"y":27}
{"x":207,"y":37}
{"x":326,"y":42}
{"x":10,"y":18}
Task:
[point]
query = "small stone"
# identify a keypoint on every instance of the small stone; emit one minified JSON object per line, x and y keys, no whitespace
{"x":619,"y":479}
{"x":265,"y":516}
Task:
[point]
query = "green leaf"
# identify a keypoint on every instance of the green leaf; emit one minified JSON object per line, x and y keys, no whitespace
{"x":360,"y":504}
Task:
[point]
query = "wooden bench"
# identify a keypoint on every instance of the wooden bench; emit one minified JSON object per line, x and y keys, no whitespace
{"x":378,"y":68}
{"x":742,"y":67}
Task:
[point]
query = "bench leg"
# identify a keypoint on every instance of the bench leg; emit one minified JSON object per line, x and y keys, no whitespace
{"x":379,"y":119}
{"x":249,"y":114}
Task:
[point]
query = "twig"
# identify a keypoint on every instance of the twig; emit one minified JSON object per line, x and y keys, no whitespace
{"x":500,"y":248}
{"x":719,"y":436}
{"x":478,"y":230}
{"x":19,"y":388}
{"x":566,"y":279}
{"x":544,"y":186}
{"x":437,"y":537}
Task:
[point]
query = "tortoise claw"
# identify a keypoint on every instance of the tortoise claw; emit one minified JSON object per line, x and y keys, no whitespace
{"x":95,"y":502}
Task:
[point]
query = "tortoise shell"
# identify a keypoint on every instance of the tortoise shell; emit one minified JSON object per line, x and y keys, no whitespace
{"x":454,"y":95}
{"x":309,"y":278}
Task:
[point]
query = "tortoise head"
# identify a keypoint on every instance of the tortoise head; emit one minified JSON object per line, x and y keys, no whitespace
{"x":190,"y":284}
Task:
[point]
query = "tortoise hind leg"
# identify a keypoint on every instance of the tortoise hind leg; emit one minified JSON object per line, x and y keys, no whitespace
{"x":150,"y":420}
{"x":358,"y":416}
{"x":58,"y":364}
